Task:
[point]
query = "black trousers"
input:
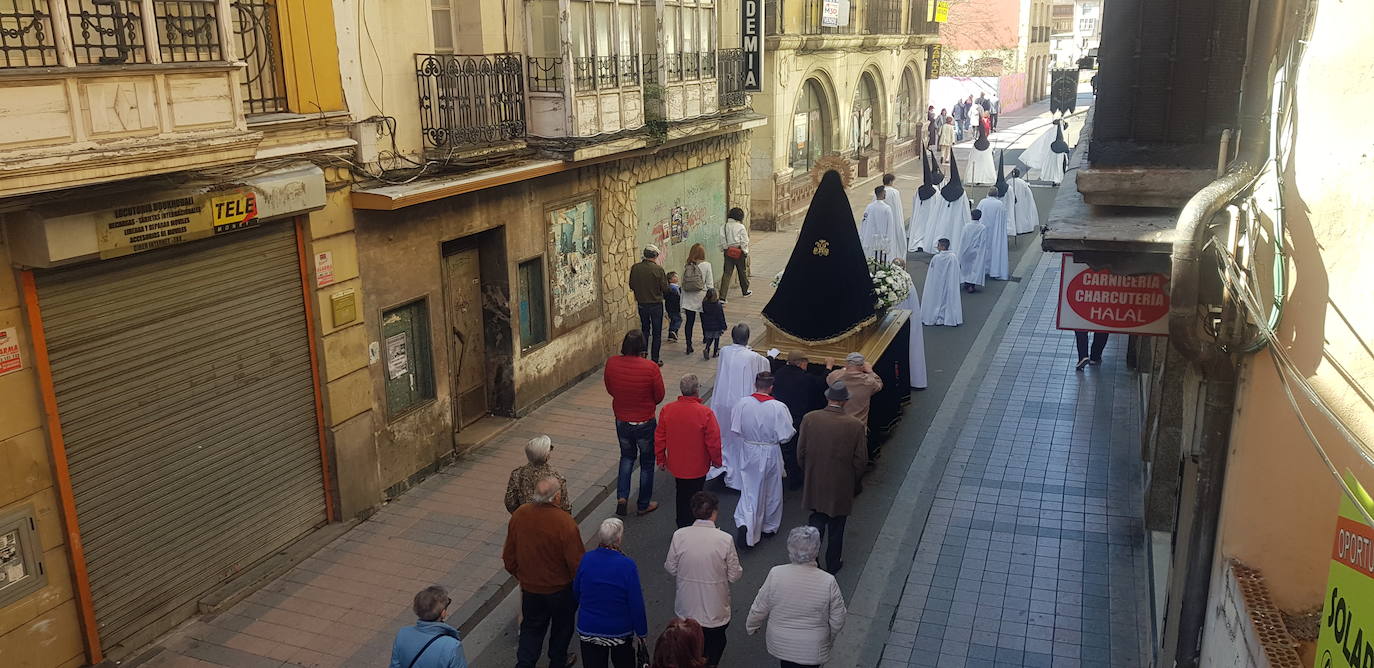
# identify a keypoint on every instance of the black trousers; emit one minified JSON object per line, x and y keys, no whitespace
{"x":715,"y":643}
{"x":686,"y":487}
{"x":600,"y":656}
{"x":732,"y":265}
{"x":789,"y":664}
{"x":1099,"y":344}
{"x":651,"y":324}
{"x":551,"y":613}
{"x":691,"y":322}
{"x":790,"y":464}
{"x":834,"y":548}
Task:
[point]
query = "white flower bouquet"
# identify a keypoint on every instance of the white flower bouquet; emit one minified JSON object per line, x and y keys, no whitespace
{"x":890,"y":284}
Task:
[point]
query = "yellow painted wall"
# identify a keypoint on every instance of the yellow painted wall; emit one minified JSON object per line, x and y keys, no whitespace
{"x":43,"y":628}
{"x":1280,"y":503}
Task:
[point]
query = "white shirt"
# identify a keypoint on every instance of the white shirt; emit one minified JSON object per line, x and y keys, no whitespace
{"x":704,"y":561}
{"x":734,"y":234}
{"x":758,"y":422}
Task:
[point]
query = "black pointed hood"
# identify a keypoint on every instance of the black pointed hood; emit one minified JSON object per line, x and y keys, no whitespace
{"x":954,"y":187}
{"x":1001,"y":184}
{"x":1059,"y":145}
{"x":981,"y":143}
{"x":927,"y":189}
{"x":825,"y":293}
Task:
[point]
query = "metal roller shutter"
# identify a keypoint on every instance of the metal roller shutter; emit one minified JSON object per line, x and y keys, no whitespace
{"x":185,"y":395}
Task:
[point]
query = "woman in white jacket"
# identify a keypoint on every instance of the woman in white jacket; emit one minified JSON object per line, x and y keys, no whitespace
{"x":801,"y":603}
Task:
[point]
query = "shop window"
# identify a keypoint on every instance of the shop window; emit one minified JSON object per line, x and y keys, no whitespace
{"x":810,"y":128}
{"x":534,"y":326}
{"x":407,"y":356}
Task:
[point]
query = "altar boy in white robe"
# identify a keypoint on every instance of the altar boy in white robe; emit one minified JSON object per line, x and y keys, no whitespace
{"x":973,"y":253}
{"x":763,"y":424}
{"x":893,"y":197}
{"x":918,"y":336}
{"x":879,"y":231}
{"x":739,"y":364}
{"x":995,"y":219}
{"x":940,"y":301}
{"x":1022,"y":216}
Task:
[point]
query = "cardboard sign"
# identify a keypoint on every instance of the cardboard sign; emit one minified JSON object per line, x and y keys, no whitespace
{"x":1346,"y":636}
{"x":11,"y":355}
{"x":1098,"y":300}
{"x":830,"y":13}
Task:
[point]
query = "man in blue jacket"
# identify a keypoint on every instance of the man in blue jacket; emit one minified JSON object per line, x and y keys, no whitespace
{"x":431,"y":643}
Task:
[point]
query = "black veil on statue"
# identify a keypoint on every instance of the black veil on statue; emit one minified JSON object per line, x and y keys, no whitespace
{"x":826,"y":293}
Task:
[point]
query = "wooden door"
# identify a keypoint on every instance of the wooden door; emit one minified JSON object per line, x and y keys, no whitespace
{"x":467,"y":344}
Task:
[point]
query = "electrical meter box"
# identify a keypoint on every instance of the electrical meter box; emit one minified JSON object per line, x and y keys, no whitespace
{"x":21,"y":566}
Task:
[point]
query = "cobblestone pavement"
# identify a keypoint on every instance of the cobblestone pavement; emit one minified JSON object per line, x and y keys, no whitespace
{"x":1033,"y":553}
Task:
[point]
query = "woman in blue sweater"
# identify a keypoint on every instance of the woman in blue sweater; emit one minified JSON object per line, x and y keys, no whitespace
{"x":610,"y":603}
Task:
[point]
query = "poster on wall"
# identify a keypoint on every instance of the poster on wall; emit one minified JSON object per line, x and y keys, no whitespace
{"x":682,"y":209}
{"x":11,"y":355}
{"x":1346,"y":626}
{"x":573,"y":276}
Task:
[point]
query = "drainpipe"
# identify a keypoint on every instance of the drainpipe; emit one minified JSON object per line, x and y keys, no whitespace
{"x":1190,"y":335}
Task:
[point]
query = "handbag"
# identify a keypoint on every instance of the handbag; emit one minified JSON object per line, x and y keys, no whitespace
{"x":642,"y":659}
{"x":734,"y":252}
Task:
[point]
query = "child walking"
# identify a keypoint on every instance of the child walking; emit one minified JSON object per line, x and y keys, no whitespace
{"x":712,"y":323}
{"x":672,"y":303}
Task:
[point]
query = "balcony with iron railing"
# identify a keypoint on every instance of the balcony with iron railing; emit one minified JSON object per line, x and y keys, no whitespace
{"x":730,"y":81}
{"x":153,"y":75}
{"x":477,"y":102}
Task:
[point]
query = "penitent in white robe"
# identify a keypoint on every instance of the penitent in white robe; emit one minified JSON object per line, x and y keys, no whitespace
{"x":941,"y":300}
{"x":995,"y":219}
{"x":973,"y":253}
{"x":879,"y":231}
{"x":982,"y":169}
{"x":947,"y":221}
{"x":918,"y":336}
{"x":894,"y":202}
{"x":762,"y":427}
{"x":1039,"y":156}
{"x":1022,"y":216}
{"x":919,"y":223}
{"x":734,"y":379}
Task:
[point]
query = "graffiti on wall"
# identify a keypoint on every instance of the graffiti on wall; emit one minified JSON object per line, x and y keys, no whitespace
{"x":682,"y":209}
{"x":573,"y":283}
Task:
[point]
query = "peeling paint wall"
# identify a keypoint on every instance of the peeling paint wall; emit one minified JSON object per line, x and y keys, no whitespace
{"x":401,"y":259}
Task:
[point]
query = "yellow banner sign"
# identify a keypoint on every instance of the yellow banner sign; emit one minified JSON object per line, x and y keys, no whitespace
{"x":942,"y":11}
{"x":173,"y":220}
{"x":1346,"y":639}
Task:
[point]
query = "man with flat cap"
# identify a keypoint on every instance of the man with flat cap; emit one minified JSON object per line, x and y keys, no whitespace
{"x":833,"y":452}
{"x":649,"y":284}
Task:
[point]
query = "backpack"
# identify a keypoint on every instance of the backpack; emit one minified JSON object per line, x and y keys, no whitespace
{"x":692,"y":280}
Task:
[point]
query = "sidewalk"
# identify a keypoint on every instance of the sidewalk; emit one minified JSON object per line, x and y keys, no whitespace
{"x":1033,"y":551}
{"x":342,"y":606}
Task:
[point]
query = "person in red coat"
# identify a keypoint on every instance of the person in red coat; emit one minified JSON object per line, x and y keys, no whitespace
{"x":687,"y":444}
{"x":636,"y":388}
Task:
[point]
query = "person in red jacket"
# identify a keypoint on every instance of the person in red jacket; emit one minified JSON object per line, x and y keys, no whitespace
{"x":687,"y":444}
{"x":636,"y":388}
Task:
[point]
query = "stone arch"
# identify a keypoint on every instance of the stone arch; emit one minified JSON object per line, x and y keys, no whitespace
{"x":820,"y":81}
{"x":869,"y":85}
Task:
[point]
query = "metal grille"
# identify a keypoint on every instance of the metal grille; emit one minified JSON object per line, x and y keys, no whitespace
{"x":629,"y":70}
{"x":584,"y":73}
{"x":730,"y":81}
{"x":884,"y":17}
{"x":107,"y":32}
{"x":26,"y":38}
{"x":470,"y":100}
{"x":919,"y":20}
{"x":545,"y":74}
{"x":708,"y":65}
{"x":195,"y":458}
{"x":607,"y":72}
{"x":187,"y":30}
{"x":255,"y":31}
{"x":651,"y":69}
{"x":674,"y":62}
{"x":691,"y":66}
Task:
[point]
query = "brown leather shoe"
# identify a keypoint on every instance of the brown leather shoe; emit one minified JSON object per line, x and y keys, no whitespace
{"x":653,"y":505}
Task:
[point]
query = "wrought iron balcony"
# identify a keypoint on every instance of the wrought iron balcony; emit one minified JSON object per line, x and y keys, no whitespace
{"x":255,"y":34}
{"x":471,"y":101}
{"x":730,"y":79}
{"x":545,"y":74}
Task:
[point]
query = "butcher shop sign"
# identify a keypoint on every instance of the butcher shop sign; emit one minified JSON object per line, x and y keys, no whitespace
{"x":1100,"y":300}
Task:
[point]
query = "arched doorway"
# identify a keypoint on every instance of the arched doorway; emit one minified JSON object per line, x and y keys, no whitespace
{"x":865,"y":120}
{"x":907,"y":106}
{"x":810,"y":127}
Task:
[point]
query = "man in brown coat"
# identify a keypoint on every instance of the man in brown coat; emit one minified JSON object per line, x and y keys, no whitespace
{"x":833,"y":451}
{"x":543,"y":551}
